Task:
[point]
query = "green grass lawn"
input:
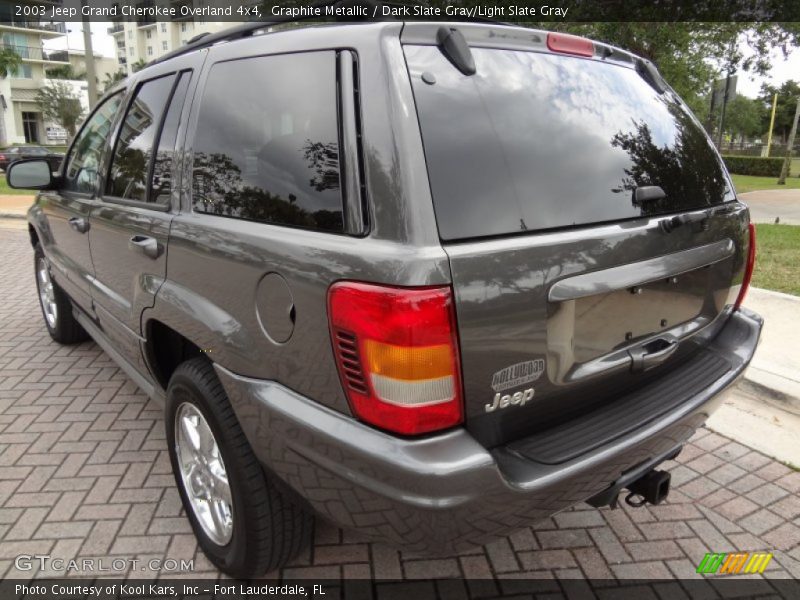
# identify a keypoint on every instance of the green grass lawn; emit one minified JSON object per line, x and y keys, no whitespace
{"x":750,"y":183}
{"x":4,"y":189}
{"x":778,"y":258}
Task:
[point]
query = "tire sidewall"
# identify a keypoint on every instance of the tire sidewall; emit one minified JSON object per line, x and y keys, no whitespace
{"x":38,"y":254}
{"x":183,"y":389}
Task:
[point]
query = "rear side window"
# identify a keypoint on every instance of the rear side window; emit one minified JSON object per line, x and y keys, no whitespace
{"x":134,"y":149}
{"x":540,"y":141}
{"x":266,"y":147}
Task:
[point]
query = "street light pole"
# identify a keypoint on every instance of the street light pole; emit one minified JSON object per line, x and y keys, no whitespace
{"x":788,"y":160}
{"x":87,"y":45}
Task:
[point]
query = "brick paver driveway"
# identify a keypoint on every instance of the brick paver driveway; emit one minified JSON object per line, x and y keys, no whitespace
{"x":84,"y":473}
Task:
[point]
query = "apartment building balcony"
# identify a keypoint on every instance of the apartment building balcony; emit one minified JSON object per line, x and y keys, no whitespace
{"x":42,"y":28}
{"x":37,"y":55}
{"x":116,"y":28}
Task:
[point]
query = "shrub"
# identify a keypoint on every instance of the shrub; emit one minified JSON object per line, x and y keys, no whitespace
{"x":754,"y":165}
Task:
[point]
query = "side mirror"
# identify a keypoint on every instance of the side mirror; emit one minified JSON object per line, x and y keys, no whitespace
{"x":31,"y":174}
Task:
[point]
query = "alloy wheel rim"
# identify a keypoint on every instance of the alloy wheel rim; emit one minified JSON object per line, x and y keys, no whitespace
{"x":47,"y":295}
{"x":203,"y":473}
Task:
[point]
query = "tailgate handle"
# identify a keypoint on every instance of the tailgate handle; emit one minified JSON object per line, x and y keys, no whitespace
{"x":652,"y":353}
{"x":648,"y":193}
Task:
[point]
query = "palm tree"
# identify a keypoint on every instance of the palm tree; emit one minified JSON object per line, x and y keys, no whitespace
{"x":10,"y":61}
{"x":112,"y":79}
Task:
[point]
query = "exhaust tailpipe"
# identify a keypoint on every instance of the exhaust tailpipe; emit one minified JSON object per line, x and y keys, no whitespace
{"x":652,"y":487}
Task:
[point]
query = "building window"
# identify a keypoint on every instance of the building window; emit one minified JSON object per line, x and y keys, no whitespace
{"x":183,"y":42}
{"x":148,"y":34}
{"x":163,"y":28}
{"x":149,"y":51}
{"x":183,"y":27}
{"x":278,"y":161}
{"x":130,"y":50}
{"x":23,"y":72}
{"x":130,"y":34}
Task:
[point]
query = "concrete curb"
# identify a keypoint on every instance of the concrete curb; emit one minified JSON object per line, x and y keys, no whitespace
{"x":4,"y":215}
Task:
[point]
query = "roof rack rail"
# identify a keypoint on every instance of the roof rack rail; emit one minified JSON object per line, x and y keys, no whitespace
{"x":205,"y":40}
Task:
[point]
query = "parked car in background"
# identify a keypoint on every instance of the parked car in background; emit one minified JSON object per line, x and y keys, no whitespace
{"x":15,"y":153}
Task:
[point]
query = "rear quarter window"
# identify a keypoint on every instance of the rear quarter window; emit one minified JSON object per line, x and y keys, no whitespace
{"x":539,"y":141}
{"x":266,"y":146}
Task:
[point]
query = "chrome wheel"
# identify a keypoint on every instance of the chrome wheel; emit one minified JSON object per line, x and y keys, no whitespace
{"x":203,"y":474}
{"x":47,"y":295}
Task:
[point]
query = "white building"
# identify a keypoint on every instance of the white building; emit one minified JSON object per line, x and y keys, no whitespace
{"x":20,"y":116}
{"x":146,"y":40}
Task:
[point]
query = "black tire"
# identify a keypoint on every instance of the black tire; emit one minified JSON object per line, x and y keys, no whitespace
{"x":65,"y":329}
{"x":269,"y":528}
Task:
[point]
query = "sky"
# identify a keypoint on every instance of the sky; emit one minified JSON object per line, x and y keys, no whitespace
{"x":748,"y":85}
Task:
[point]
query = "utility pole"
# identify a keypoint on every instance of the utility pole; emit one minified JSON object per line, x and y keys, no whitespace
{"x":772,"y":121}
{"x":788,"y":160}
{"x":87,"y":45}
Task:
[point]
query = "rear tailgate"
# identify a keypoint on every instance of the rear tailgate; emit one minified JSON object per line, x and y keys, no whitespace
{"x":570,"y":290}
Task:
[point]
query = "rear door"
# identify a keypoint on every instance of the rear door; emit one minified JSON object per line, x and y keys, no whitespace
{"x":131,"y":223}
{"x":67,"y":208}
{"x":590,"y":225}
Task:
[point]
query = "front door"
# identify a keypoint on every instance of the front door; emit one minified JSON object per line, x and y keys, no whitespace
{"x":130,"y":226}
{"x":66,"y":210}
{"x":30,"y":127}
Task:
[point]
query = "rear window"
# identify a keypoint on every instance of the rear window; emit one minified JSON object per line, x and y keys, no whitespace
{"x":539,"y":141}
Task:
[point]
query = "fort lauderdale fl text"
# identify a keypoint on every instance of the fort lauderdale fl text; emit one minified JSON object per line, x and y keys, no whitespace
{"x":487,"y":11}
{"x":135,"y":590}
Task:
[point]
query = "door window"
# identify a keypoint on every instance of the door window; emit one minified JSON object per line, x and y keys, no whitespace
{"x":133,"y":154}
{"x":83,"y":163}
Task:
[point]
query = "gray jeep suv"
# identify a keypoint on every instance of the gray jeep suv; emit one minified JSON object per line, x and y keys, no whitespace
{"x":432,"y":282}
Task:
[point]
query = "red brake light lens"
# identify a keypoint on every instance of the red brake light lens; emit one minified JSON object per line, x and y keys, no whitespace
{"x":748,"y":270}
{"x":569,"y":44}
{"x":397,"y":354}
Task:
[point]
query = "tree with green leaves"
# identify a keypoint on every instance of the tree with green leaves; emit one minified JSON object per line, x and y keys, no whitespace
{"x":788,"y":93}
{"x":60,"y":103}
{"x":10,"y":61}
{"x":743,"y":118}
{"x":138,"y":65}
{"x":64,"y":72}
{"x":691,"y":55}
{"x":112,"y":79}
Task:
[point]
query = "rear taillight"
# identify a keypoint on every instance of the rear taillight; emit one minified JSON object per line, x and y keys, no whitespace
{"x":569,"y":44}
{"x":748,"y":269}
{"x":397,"y":354}
{"x":2,"y":156}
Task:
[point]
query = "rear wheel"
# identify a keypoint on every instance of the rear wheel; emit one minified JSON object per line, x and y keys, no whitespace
{"x":243,"y":523}
{"x":56,"y":305}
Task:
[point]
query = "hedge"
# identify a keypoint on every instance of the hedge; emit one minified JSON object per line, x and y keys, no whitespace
{"x":754,"y":165}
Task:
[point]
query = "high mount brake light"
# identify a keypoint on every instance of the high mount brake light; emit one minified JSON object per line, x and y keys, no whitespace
{"x":749,"y":266}
{"x":569,"y":44}
{"x":397,"y":355}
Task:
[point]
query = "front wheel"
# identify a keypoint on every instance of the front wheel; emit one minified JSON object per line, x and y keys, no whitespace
{"x":56,"y":305}
{"x":243,"y":523}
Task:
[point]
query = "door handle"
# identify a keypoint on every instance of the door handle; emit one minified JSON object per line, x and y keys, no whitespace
{"x":146,"y":245}
{"x":79,"y":224}
{"x":652,"y":353}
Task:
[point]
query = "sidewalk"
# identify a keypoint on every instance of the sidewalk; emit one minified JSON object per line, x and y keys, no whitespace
{"x":768,"y":205}
{"x":775,"y":370}
{"x":13,"y":206}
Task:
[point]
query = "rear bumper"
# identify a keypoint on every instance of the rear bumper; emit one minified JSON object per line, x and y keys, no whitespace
{"x":447,"y":493}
